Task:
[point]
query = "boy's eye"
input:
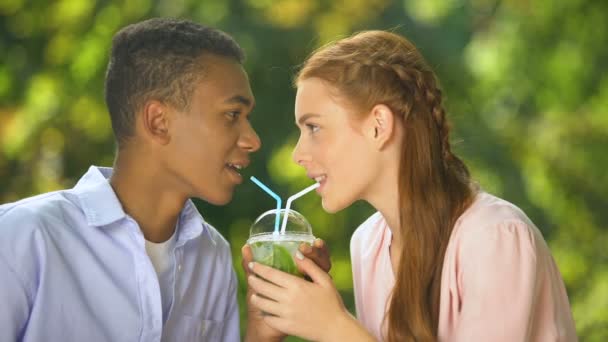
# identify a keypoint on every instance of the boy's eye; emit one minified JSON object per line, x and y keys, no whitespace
{"x":233,"y":115}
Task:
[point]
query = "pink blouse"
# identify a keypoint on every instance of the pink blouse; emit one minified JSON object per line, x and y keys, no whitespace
{"x":499,"y":280}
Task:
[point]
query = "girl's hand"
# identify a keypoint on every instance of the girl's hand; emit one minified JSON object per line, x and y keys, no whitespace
{"x":296,"y":306}
{"x":257,"y":329}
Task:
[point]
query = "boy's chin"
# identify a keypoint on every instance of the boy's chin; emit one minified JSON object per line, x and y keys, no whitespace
{"x":217,"y":199}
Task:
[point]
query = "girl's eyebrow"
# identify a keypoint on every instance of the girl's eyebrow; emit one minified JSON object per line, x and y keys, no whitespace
{"x":306,"y":116}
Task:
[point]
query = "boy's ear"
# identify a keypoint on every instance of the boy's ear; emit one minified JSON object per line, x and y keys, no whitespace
{"x":380,"y":125}
{"x":155,"y":122}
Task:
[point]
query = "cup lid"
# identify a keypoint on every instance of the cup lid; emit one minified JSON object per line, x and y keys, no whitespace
{"x":265,"y":223}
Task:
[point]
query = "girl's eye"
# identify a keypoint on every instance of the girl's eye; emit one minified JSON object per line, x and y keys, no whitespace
{"x":312,"y":128}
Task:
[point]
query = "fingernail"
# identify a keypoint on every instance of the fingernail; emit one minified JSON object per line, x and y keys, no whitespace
{"x":318,"y":242}
{"x":299,"y":255}
{"x":250,"y":265}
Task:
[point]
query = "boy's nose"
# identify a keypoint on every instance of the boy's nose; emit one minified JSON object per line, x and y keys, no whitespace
{"x":250,"y":141}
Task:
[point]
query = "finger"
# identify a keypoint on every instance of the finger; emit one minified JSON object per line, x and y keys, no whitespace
{"x":307,"y":266}
{"x":280,"y":324}
{"x":272,"y":275}
{"x":305,"y":248}
{"x":324,"y":253}
{"x":247,"y":258}
{"x":319,"y":254}
{"x":266,"y":305}
{"x":265,"y":288}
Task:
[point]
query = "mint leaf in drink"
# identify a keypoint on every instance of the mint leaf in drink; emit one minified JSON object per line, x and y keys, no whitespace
{"x":263,"y":252}
{"x":283,"y":260}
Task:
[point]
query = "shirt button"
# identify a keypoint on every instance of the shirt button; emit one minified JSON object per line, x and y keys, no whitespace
{"x":179,"y":267}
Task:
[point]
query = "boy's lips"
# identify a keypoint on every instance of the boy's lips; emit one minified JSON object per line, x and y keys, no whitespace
{"x":235,"y":168}
{"x":238,"y":164}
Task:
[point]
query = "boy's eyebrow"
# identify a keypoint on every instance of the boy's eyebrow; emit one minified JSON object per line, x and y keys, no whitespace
{"x":306,"y":116}
{"x":242,"y":100}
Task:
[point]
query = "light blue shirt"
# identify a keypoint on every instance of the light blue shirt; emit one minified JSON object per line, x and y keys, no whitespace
{"x":73,"y":267}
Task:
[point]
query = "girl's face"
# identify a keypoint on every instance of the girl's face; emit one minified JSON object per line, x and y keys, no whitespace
{"x":333,"y":146}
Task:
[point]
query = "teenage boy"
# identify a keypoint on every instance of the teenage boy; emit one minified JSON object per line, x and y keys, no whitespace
{"x":125,"y":255}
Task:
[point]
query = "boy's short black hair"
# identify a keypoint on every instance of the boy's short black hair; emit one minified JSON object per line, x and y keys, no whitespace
{"x":158,"y":59}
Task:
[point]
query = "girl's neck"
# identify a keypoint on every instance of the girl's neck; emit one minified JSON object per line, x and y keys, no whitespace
{"x":387,"y":203}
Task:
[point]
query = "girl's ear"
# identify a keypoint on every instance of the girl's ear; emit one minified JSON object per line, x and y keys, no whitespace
{"x":380,"y":126}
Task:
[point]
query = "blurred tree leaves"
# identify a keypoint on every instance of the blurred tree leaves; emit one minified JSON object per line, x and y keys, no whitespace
{"x":525,"y":82}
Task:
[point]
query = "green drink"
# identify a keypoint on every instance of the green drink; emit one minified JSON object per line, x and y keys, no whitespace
{"x":278,"y":252}
{"x":276,"y":249}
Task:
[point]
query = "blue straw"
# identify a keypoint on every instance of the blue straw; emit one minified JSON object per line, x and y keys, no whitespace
{"x":275,"y":196}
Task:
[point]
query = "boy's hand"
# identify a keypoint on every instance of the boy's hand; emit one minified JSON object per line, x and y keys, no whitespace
{"x":318,"y":253}
{"x":257,"y":329}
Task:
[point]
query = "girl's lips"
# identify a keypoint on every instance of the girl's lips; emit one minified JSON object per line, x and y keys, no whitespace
{"x":320,"y":178}
{"x":321,"y":185}
{"x":317,"y":177}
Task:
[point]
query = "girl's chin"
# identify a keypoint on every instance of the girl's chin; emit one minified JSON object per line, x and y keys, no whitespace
{"x":330,"y":207}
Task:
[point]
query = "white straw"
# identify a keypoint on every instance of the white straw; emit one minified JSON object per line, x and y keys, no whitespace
{"x":291,"y":199}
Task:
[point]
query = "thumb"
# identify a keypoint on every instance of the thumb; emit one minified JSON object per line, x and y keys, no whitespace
{"x":308,"y":267}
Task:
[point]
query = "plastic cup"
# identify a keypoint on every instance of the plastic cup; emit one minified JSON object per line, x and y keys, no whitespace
{"x":275,"y":249}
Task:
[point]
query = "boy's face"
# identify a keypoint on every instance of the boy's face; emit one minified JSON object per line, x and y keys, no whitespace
{"x":211,"y":140}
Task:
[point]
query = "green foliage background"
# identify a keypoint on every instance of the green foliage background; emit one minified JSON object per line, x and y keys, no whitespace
{"x":526,"y":85}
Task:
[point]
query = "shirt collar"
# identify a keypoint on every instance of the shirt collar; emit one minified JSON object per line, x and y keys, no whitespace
{"x":99,"y":202}
{"x":101,"y":206}
{"x":192,"y":224}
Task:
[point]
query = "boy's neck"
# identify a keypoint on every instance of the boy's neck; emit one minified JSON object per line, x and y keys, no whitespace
{"x":140,"y":188}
